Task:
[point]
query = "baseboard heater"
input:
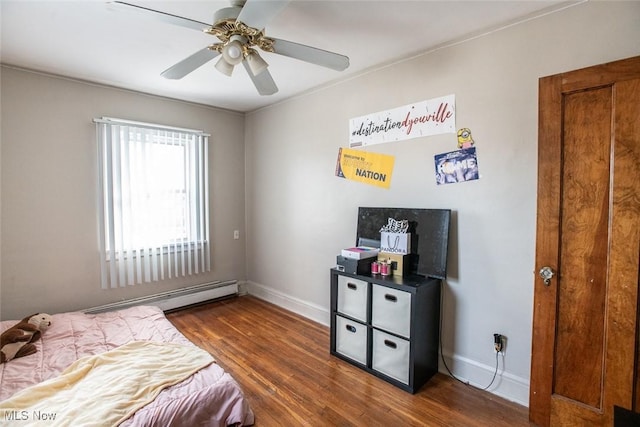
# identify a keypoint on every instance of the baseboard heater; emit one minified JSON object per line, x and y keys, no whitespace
{"x":175,"y":299}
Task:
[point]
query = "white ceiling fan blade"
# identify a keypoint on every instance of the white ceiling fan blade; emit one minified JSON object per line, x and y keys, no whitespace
{"x":162,"y":16}
{"x":263,"y":81}
{"x":189,"y":64}
{"x":311,"y":54}
{"x":258,"y":13}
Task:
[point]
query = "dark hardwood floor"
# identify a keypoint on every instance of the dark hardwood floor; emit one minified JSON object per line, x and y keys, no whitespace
{"x":282,"y":362}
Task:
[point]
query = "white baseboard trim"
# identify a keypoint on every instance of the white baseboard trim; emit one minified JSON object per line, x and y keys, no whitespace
{"x":242,"y":288}
{"x":304,"y":308}
{"x":506,"y":385}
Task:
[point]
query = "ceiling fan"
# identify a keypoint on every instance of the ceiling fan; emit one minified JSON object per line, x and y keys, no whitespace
{"x":240,"y":30}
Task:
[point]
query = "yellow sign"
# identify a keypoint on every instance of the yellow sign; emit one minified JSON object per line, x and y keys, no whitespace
{"x":363,"y":166}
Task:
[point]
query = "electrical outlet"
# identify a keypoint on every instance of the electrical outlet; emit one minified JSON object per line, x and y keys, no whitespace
{"x":236,"y":234}
{"x":499,"y":342}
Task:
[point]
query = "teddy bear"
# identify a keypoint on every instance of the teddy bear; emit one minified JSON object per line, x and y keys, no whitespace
{"x":17,"y":341}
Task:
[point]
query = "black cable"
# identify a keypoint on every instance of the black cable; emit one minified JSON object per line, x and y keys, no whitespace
{"x":494,"y":373}
{"x":444,"y":362}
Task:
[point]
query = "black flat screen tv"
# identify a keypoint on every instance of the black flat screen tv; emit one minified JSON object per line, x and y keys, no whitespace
{"x":429,"y":230}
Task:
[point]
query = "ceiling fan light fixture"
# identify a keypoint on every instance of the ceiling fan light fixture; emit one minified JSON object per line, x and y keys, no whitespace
{"x":224,"y":67}
{"x":232,"y":52}
{"x":256,"y":63}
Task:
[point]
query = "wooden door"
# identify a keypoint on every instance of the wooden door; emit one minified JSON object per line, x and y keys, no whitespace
{"x":585,"y":319}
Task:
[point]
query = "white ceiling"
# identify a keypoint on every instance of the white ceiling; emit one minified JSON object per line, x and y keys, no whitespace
{"x":91,"y":40}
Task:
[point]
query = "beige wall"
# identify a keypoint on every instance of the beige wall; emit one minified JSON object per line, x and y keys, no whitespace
{"x":299,"y":215}
{"x":48,"y":182}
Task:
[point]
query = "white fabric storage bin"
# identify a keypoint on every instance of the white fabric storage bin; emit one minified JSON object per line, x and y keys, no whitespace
{"x":391,"y":356}
{"x":351,"y":339}
{"x":391,"y":310}
{"x":352,"y":297}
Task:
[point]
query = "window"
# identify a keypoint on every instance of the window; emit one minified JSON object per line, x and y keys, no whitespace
{"x":153,"y":204}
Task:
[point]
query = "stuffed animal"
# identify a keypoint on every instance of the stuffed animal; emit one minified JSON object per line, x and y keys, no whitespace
{"x":17,"y":341}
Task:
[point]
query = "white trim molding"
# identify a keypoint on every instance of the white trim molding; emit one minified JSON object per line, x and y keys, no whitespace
{"x":304,"y":308}
{"x":506,"y":385}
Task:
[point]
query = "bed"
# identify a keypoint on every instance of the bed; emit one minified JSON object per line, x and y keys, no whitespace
{"x":205,"y":395}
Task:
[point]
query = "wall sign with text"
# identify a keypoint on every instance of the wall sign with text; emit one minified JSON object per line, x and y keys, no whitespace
{"x":432,"y":117}
{"x":363,"y":166}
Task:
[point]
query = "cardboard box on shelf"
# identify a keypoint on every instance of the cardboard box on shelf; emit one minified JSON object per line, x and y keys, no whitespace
{"x":400,"y":264}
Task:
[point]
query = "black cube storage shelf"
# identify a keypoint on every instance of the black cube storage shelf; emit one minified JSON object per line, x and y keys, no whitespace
{"x":387,"y":326}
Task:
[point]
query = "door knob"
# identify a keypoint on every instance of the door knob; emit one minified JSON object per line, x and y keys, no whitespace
{"x":546,"y":273}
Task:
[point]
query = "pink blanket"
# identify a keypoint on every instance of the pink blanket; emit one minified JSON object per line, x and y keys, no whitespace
{"x":210,"y":397}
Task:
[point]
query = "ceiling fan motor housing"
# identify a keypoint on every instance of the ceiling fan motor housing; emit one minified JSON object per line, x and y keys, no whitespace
{"x":226,"y":27}
{"x":226,"y":13}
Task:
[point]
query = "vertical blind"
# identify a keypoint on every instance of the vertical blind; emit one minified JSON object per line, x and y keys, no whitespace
{"x":153,"y":202}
